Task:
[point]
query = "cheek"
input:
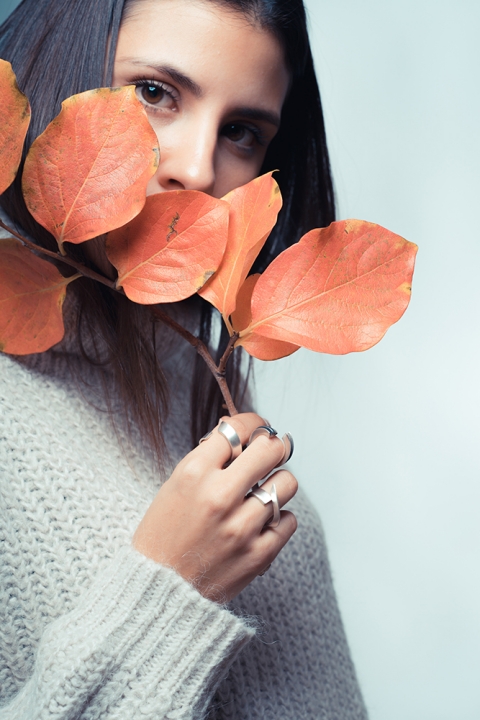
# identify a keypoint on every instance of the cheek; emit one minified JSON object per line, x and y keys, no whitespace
{"x":232,"y":172}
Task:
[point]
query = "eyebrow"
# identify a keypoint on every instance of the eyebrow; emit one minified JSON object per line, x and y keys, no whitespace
{"x":251,"y":113}
{"x":186,"y":82}
{"x":177,"y":76}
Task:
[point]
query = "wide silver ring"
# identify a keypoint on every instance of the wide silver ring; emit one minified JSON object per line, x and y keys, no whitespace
{"x":270,"y":432}
{"x":230,"y":434}
{"x":266,"y":498}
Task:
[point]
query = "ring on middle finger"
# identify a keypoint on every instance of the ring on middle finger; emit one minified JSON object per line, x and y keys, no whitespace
{"x":270,"y":432}
{"x":262,"y":430}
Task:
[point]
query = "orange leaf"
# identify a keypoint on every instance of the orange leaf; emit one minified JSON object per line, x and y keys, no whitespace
{"x":336,"y":291}
{"x":88,"y":172}
{"x":172,"y":248}
{"x":253,"y":213}
{"x":14,"y":122}
{"x":259,"y":347}
{"x":32,"y":292}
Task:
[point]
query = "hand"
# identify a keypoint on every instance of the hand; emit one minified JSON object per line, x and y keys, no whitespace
{"x":200,"y":522}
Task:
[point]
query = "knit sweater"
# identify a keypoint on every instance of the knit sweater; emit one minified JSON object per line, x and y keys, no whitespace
{"x":90,"y":628}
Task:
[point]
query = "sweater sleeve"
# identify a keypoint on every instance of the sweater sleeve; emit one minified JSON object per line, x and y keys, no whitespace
{"x":141,"y":642}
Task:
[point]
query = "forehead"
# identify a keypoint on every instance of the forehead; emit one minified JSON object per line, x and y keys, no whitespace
{"x":218,"y":48}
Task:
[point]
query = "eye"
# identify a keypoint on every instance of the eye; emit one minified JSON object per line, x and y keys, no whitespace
{"x":243,"y":136}
{"x":156,"y":94}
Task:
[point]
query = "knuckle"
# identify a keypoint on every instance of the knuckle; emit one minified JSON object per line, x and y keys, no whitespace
{"x":291,"y":482}
{"x":235,"y":539}
{"x":291,"y":522}
{"x":287,"y":482}
{"x":217,"y":503}
{"x":277,"y":448}
{"x":191,"y":469}
{"x":263,"y":441}
{"x":251,"y":418}
{"x":273,"y":446}
{"x":248,"y":421}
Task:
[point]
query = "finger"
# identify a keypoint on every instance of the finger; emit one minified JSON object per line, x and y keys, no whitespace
{"x":255,"y":462}
{"x":216,"y":449}
{"x":272,"y":540}
{"x":256,"y":512}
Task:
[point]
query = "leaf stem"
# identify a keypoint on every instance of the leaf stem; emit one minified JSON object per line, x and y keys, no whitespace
{"x":218,"y":371}
{"x":228,"y":351}
{"x":85,"y":271}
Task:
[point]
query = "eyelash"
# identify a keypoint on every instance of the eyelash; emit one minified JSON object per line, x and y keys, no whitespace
{"x":148,"y":82}
{"x":256,"y":132}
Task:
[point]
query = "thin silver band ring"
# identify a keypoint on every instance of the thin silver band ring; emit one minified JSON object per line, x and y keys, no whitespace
{"x":270,"y":432}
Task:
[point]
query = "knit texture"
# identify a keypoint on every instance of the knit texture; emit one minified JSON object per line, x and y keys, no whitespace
{"x":90,"y":628}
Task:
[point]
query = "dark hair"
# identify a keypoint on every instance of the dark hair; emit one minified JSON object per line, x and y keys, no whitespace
{"x":57,"y":48}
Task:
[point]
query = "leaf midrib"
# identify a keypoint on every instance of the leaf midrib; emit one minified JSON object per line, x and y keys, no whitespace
{"x":268,"y":319}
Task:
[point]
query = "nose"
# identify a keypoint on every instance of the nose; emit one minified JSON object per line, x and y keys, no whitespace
{"x":187,"y":157}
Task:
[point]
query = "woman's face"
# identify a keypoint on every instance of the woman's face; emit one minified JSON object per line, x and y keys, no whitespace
{"x":212,"y":85}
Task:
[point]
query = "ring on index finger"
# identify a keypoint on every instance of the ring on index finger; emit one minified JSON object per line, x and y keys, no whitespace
{"x":231,"y":436}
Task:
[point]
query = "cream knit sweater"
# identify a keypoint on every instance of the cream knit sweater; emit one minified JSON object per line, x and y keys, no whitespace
{"x":90,"y":628}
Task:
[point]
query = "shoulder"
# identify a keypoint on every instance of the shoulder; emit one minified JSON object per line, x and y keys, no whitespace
{"x":25,"y":390}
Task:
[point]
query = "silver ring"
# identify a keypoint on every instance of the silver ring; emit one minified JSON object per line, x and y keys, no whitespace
{"x":266,"y":498}
{"x":205,"y":437}
{"x":270,"y":432}
{"x":287,"y":440}
{"x":230,"y":435}
{"x":262,"y":430}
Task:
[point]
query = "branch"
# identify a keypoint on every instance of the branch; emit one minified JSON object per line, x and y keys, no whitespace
{"x":228,"y":351}
{"x":82,"y":269}
{"x":218,"y":372}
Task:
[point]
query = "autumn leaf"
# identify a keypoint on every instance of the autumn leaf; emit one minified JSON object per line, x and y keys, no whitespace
{"x":172,"y":248}
{"x":253,"y":213}
{"x":336,"y":291}
{"x":88,"y":172}
{"x":32,"y":292}
{"x":256,"y":345}
{"x":14,"y":122}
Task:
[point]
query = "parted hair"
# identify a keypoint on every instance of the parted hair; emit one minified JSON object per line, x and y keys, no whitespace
{"x":62,"y":47}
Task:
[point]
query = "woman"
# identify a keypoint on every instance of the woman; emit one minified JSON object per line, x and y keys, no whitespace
{"x":113,"y":590}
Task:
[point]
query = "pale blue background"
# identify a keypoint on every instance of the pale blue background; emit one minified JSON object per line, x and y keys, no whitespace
{"x":387,"y":441}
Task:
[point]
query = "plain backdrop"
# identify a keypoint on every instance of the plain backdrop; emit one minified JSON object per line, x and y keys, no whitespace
{"x":387,"y":441}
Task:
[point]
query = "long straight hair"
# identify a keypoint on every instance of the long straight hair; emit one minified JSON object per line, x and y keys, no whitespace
{"x":62,"y":47}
